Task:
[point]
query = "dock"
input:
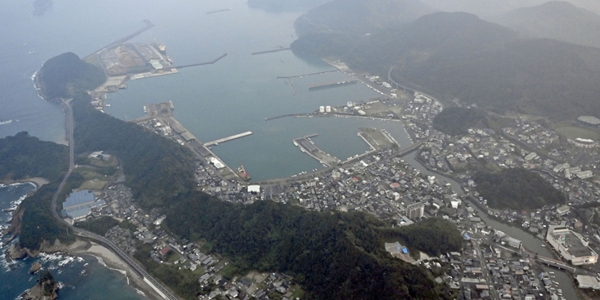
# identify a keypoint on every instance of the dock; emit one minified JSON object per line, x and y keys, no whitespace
{"x":326,"y":85}
{"x":126,"y":38}
{"x":308,"y":146}
{"x":271,"y":51}
{"x":229,"y":138}
{"x":307,"y":75}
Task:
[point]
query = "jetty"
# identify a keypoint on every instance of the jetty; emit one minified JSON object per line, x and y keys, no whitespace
{"x":229,"y":138}
{"x":126,"y":38}
{"x":306,"y":75}
{"x":325,"y":85}
{"x":307,"y":146}
{"x":288,"y":115}
{"x":201,"y":64}
{"x":271,"y":51}
{"x":217,"y":11}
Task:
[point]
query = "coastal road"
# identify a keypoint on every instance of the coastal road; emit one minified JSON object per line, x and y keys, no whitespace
{"x":69,"y":126}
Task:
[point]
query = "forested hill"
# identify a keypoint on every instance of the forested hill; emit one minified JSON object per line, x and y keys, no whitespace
{"x":333,"y":255}
{"x":516,"y":189}
{"x":359,"y":17}
{"x":557,"y":20}
{"x":157,"y":169}
{"x":459,"y":55}
{"x":24,"y":156}
{"x":66,"y":75}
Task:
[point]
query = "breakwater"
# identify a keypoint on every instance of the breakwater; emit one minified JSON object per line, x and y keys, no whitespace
{"x":271,"y":51}
{"x":202,"y":64}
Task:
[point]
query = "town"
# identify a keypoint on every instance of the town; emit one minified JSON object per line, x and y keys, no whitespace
{"x":381,"y":182}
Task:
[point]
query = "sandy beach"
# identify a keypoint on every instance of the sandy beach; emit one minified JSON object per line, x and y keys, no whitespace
{"x":38,"y":181}
{"x":112,"y":261}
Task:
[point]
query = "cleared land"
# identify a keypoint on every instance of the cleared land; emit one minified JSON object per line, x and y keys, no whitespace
{"x":573,"y":132}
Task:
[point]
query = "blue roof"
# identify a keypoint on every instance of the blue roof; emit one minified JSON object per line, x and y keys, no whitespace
{"x":78,"y":198}
{"x":404,"y":250}
{"x":79,"y":204}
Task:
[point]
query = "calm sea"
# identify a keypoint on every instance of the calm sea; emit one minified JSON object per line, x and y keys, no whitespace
{"x":232,"y":96}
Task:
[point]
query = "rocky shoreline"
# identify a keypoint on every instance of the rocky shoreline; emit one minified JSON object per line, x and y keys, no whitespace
{"x":46,"y":288}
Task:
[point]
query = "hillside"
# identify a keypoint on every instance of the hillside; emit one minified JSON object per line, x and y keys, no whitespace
{"x":496,"y":7}
{"x":458,"y":55}
{"x":359,"y":17}
{"x":332,"y":255}
{"x":557,"y":20}
{"x":66,"y":75}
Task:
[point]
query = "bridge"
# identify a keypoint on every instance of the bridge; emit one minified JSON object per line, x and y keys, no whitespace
{"x":556,"y":263}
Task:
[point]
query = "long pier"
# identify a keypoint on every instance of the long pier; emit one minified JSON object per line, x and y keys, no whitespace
{"x":332,"y":84}
{"x":217,"y":11}
{"x":201,"y":64}
{"x":229,"y":138}
{"x":306,"y":75}
{"x":285,"y":116}
{"x":126,"y":38}
{"x":271,"y":51}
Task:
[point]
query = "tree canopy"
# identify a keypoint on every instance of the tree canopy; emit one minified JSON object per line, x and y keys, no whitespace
{"x":66,"y":75}
{"x":333,"y":255}
{"x":516,"y":189}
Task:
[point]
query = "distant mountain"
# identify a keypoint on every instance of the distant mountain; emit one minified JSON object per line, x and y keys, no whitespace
{"x":459,"y":55}
{"x":360,"y":17}
{"x":285,"y":5}
{"x":496,"y":7}
{"x":558,"y":20}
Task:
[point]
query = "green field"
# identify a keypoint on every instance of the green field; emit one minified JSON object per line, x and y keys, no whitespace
{"x":93,"y":185}
{"x":573,"y":132}
{"x":111,"y":162}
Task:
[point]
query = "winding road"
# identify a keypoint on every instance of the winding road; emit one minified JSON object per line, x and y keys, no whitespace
{"x":69,"y":125}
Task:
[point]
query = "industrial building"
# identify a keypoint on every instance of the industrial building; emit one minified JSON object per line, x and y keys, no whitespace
{"x":588,"y":282}
{"x":79,"y":204}
{"x":589,"y":120}
{"x":571,"y":246}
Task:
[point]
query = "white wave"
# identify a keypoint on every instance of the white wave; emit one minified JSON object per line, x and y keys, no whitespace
{"x":140,"y":292}
{"x":101,"y":261}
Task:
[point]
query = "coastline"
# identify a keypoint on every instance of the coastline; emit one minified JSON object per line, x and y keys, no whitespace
{"x":111,"y":261}
{"x":37,"y":181}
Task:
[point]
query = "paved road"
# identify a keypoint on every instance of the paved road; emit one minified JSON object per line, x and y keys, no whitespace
{"x":69,"y":124}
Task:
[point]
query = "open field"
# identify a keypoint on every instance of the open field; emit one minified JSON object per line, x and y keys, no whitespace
{"x":573,"y":132}
{"x":111,"y":162}
{"x":93,"y":184}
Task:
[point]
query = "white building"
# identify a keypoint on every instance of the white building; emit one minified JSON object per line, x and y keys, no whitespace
{"x":588,"y":282}
{"x":571,"y":246}
{"x":415,"y":210}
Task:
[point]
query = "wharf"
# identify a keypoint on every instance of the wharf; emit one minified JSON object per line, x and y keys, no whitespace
{"x":332,"y":84}
{"x":162,"y":113}
{"x":229,"y":138}
{"x":307,"y":146}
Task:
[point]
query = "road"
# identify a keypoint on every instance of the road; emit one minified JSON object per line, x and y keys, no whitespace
{"x":69,"y":126}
